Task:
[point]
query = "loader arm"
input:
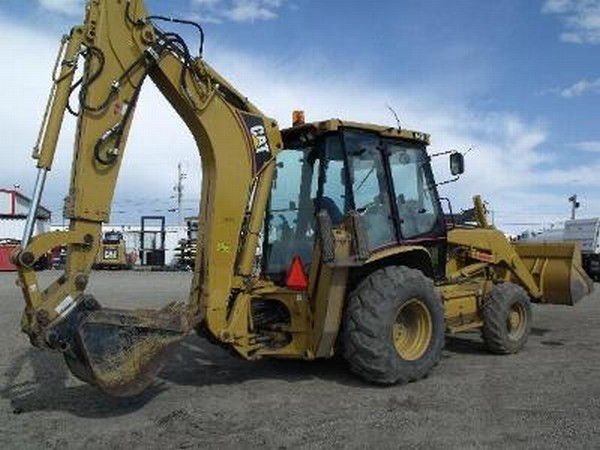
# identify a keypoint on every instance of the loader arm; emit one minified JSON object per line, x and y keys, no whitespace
{"x":121,"y":46}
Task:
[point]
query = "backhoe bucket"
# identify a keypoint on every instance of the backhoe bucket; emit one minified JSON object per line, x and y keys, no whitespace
{"x":120,"y":351}
{"x":557,"y":270}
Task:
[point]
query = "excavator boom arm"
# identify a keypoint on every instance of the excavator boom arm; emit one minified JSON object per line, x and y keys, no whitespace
{"x":121,"y":47}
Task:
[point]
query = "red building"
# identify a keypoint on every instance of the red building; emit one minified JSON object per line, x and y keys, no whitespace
{"x":14,"y":207}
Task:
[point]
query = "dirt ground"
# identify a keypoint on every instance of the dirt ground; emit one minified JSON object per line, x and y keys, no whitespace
{"x":548,"y":396}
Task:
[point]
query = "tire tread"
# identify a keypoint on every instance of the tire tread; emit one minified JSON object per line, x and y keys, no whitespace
{"x":369,"y":316}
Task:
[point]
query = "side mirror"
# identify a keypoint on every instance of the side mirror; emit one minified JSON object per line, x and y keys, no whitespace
{"x":457,"y":163}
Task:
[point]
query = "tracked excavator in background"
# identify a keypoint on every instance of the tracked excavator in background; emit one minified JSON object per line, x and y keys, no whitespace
{"x":356,"y":256}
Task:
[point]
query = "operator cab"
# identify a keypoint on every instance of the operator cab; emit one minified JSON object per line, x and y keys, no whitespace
{"x":381,"y":173}
{"x":112,"y":237}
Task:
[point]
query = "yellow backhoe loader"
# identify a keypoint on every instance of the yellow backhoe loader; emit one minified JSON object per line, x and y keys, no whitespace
{"x":356,"y":255}
{"x":113,"y":252}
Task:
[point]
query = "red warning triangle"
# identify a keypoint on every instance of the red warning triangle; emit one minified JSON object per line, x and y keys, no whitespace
{"x":296,"y":278}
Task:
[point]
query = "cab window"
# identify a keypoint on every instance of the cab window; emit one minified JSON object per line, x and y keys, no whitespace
{"x":370,"y":187}
{"x":413,"y":188}
{"x":289,"y":219}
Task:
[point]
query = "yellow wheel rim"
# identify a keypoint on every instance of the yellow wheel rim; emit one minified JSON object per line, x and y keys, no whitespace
{"x":412,"y":330}
{"x":516,"y":321}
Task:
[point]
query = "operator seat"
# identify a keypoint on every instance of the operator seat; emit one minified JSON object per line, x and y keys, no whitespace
{"x":327,"y":203}
{"x":415,"y":220}
{"x":408,"y":216}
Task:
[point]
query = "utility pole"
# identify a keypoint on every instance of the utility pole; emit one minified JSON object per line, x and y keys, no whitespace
{"x":178,"y":188}
{"x":574,"y":205}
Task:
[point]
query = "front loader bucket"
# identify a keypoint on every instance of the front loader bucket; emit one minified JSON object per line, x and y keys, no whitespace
{"x":557,"y":270}
{"x":120,"y":351}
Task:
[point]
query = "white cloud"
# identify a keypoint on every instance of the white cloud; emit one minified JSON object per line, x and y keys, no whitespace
{"x":507,"y":165}
{"x":557,"y":6}
{"x":237,"y":10}
{"x":581,"y":87}
{"x":581,"y":19}
{"x":67,"y":7}
{"x":249,"y":12}
{"x":206,"y":3}
{"x":158,"y":140}
{"x":588,"y":146}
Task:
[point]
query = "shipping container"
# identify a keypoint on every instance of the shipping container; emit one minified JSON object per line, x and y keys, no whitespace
{"x":7,"y":247}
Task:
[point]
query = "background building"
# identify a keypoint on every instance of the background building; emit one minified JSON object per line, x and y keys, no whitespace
{"x":13,"y":213}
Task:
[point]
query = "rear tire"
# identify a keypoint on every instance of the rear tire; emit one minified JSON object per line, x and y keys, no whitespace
{"x":506,"y":318}
{"x":393,"y":326}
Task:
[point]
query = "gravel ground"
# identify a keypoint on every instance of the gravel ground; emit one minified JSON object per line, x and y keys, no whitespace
{"x":547,"y":396}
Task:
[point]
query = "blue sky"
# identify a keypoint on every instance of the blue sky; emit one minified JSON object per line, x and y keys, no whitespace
{"x":516,"y":80}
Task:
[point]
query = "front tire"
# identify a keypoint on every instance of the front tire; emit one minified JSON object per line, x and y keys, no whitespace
{"x":393,"y":326}
{"x":506,"y":318}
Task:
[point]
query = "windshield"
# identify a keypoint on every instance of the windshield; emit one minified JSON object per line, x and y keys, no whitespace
{"x":112,"y":237}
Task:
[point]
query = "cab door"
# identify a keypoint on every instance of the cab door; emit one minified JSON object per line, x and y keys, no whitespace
{"x":289,"y":220}
{"x":354,"y":179}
